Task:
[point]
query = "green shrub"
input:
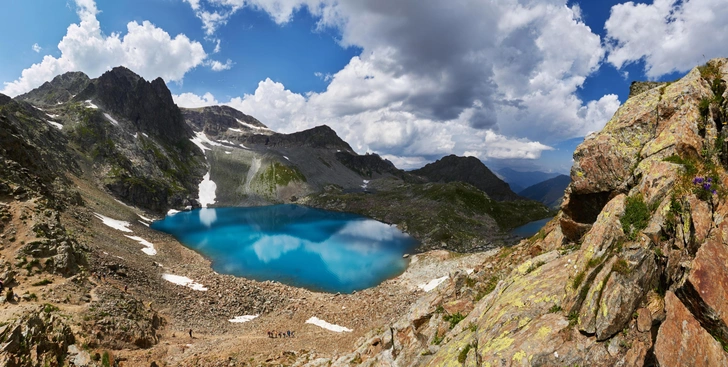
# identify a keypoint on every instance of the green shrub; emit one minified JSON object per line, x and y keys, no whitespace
{"x":636,"y":216}
{"x":454,"y":319}
{"x":622,"y":267}
{"x":42,"y":282}
{"x":555,"y":309}
{"x":464,"y":354}
{"x":578,"y":279}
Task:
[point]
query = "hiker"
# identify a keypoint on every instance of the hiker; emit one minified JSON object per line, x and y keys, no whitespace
{"x":126,"y":287}
{"x":190,"y":333}
{"x":289,"y":333}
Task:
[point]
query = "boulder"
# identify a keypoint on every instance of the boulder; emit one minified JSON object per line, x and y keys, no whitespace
{"x":681,"y":341}
{"x":590,"y":305}
{"x":644,"y":320}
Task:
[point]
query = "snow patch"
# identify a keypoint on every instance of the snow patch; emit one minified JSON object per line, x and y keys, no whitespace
{"x":145,"y":135}
{"x":365,"y":184}
{"x":226,"y":152}
{"x":51,"y":115}
{"x":321,"y":323}
{"x":55,"y":124}
{"x":144,"y":223}
{"x":226,"y":142}
{"x":201,"y":138}
{"x":432,"y":284}
{"x":244,"y":318}
{"x":184,"y":281}
{"x":111,"y":119}
{"x":207,"y":191}
{"x":236,"y":130}
{"x":148,"y":246}
{"x":91,"y":105}
{"x":113,"y":223}
{"x":286,"y":158}
{"x":250,"y":126}
{"x":172,"y":212}
{"x":243,"y":146}
{"x":145,"y":218}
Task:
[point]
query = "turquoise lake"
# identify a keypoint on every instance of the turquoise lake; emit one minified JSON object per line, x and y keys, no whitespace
{"x":529,"y":229}
{"x":296,"y":245}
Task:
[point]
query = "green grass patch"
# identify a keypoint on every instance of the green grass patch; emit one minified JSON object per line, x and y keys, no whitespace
{"x":42,"y":282}
{"x":621,"y":267}
{"x":555,"y":309}
{"x":636,"y":216}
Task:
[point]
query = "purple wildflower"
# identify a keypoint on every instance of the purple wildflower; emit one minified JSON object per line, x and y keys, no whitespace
{"x":713,"y":192}
{"x":706,"y":186}
{"x":709,"y":179}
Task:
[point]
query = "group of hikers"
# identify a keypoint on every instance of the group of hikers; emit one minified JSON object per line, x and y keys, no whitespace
{"x":281,"y":334}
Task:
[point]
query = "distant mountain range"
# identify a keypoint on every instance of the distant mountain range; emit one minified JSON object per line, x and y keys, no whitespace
{"x":549,"y":192}
{"x":519,"y":181}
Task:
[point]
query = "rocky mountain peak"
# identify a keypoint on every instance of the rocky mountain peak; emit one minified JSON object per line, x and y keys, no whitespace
{"x":147,"y":105}
{"x":469,"y":170}
{"x":59,"y":90}
{"x":216,"y":120}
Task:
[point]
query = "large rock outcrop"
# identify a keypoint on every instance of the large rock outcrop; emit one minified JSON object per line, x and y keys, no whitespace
{"x":632,"y":272}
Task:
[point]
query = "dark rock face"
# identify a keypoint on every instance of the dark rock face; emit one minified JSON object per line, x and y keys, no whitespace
{"x":149,"y":106}
{"x":32,"y":153}
{"x":60,"y":90}
{"x":216,"y":120}
{"x":369,"y":165}
{"x":469,"y":170}
{"x":639,"y":87}
{"x":320,"y":137}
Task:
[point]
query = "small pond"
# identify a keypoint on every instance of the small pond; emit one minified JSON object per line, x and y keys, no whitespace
{"x":296,"y":245}
{"x":531,"y":228}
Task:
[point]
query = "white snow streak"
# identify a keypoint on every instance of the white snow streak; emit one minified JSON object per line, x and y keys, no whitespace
{"x":245,"y":318}
{"x":200,"y":138}
{"x":172,"y":212}
{"x":321,"y":323}
{"x":432,"y":284}
{"x":91,"y":105}
{"x":251,"y":126}
{"x":113,"y":223}
{"x":184,"y":281}
{"x":111,"y":119}
{"x":55,"y":124}
{"x":148,"y":246}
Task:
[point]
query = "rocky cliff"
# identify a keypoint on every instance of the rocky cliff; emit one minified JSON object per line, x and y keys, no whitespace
{"x":632,"y":272}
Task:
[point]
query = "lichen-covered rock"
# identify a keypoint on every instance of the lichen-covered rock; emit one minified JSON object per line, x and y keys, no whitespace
{"x":681,"y":341}
{"x":590,"y":305}
{"x":625,"y":289}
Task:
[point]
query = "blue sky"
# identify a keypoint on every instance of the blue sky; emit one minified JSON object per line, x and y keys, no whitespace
{"x":514,"y":82}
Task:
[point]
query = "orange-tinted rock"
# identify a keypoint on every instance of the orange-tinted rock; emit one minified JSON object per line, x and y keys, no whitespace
{"x":681,"y":341}
{"x":705,"y":292}
{"x":461,"y":306}
{"x":635,"y":357}
{"x":702,"y":218}
{"x":644,"y":320}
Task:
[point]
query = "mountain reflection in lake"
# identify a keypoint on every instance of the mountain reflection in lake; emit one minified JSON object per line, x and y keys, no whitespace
{"x":296,"y":245}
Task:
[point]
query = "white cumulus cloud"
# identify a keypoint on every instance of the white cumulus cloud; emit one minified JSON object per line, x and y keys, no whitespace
{"x":145,"y":49}
{"x":496,"y":79}
{"x":36,"y":47}
{"x":219,"y":66}
{"x":668,"y":35}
